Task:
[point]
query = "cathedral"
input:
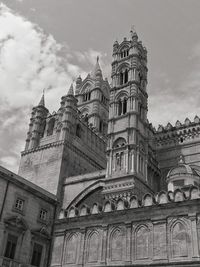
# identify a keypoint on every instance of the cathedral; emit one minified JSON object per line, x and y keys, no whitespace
{"x":111,"y":189}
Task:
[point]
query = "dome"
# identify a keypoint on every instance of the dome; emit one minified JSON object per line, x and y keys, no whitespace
{"x":183,"y":175}
{"x":181,"y":169}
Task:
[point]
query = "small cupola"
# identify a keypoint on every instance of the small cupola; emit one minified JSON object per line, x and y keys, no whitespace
{"x":183,"y":175}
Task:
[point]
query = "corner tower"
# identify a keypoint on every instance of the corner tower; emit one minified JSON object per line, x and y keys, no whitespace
{"x":93,"y":99}
{"x":60,"y":145}
{"x":127,"y":149}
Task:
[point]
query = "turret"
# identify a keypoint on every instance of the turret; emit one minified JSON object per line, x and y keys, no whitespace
{"x":69,"y":112}
{"x":78,"y":85}
{"x":37,"y":124}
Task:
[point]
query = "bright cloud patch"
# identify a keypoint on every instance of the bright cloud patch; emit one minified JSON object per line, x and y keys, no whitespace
{"x":29,"y":62}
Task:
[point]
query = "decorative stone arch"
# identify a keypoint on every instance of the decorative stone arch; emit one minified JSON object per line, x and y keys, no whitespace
{"x":84,"y":210}
{"x":119,"y":142}
{"x":87,"y":86}
{"x":121,"y":204}
{"x":162,"y":197}
{"x":194,"y":192}
{"x":179,"y":195}
{"x":142,"y":240}
{"x":134,"y":203}
{"x":148,"y":200}
{"x":108,"y":206}
{"x":72,"y":212}
{"x":96,"y":208}
{"x":92,"y":246}
{"x":83,"y":194}
{"x":179,"y":236}
{"x":71,"y":248}
{"x":116,"y":244}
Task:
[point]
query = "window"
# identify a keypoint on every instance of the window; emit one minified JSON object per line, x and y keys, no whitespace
{"x":50,"y":128}
{"x":122,"y":106}
{"x":124,"y":53}
{"x":86,"y":97}
{"x":36,"y":255}
{"x":10,"y":246}
{"x":43,"y":214}
{"x":19,"y":204}
{"x":123,"y":77}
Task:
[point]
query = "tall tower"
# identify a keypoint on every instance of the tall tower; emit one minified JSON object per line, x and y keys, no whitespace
{"x":93,"y":99}
{"x":127,"y":149}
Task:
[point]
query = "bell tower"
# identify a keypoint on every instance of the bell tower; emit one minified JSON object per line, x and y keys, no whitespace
{"x":127,"y":148}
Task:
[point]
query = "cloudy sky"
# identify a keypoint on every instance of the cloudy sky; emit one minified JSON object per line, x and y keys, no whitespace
{"x":47,"y":43}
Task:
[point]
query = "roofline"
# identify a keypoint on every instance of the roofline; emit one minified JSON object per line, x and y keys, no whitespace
{"x":29,"y":186}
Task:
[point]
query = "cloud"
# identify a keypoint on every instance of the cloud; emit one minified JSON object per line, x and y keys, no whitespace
{"x":30,"y":61}
{"x":170,"y":101}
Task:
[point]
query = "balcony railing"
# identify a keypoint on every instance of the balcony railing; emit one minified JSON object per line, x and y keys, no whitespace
{"x":5,"y":262}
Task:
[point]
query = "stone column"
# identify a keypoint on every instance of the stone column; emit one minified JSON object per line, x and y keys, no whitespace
{"x":82,"y":248}
{"x":128,"y":243}
{"x":104,"y":245}
{"x":195,"y":250}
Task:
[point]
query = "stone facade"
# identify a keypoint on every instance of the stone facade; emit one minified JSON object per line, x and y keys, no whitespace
{"x":128,"y":193}
{"x":27,"y":214}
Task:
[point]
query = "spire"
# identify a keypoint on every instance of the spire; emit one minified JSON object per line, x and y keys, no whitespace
{"x":181,"y":160}
{"x":133,"y":33}
{"x":97,"y":68}
{"x":71,"y":90}
{"x":42,"y":103}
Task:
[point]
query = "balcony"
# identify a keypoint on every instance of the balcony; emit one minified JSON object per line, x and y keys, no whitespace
{"x":5,"y":262}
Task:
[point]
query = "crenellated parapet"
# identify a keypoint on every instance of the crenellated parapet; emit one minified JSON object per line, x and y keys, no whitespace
{"x":111,"y":205}
{"x":180,"y":133}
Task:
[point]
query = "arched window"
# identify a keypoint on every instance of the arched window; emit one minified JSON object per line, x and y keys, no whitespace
{"x":179,"y":240}
{"x":71,"y":249}
{"x":126,"y":76}
{"x":122,"y":106}
{"x":142,"y":243}
{"x":116,"y":245}
{"x":119,"y":161}
{"x":50,"y":126}
{"x":93,"y":247}
{"x":123,"y":76}
{"x":119,"y":107}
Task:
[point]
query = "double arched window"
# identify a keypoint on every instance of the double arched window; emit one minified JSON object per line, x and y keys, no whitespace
{"x":124,"y":53}
{"x":122,"y":106}
{"x":86,"y":96}
{"x":123,"y":76}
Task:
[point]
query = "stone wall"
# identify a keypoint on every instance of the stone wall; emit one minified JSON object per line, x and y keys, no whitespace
{"x":162,"y":232}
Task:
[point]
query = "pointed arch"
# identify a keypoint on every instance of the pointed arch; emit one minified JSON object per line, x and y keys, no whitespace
{"x":93,"y":246}
{"x":71,"y":249}
{"x":142,"y":239}
{"x":179,"y":239}
{"x":116,"y":244}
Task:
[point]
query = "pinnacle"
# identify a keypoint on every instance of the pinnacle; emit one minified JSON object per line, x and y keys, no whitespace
{"x":71,"y":90}
{"x":181,"y":159}
{"x":42,"y":102}
{"x":133,"y":32}
{"x":97,"y":68}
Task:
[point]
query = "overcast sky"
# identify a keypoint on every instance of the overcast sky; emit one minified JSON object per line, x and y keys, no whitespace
{"x":47,"y":43}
